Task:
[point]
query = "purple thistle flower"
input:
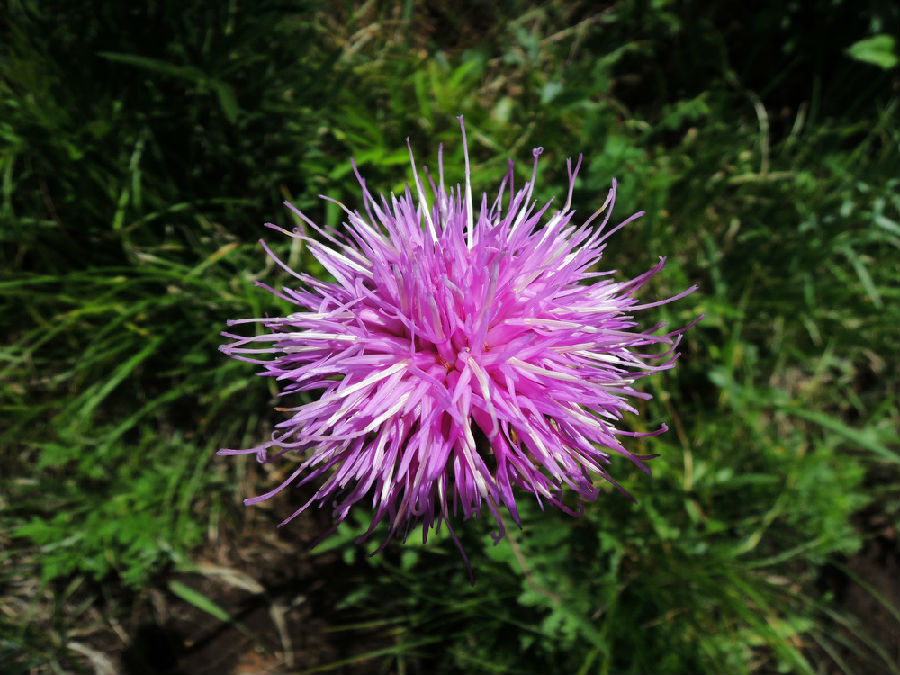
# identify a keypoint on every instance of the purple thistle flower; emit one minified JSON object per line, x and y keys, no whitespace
{"x":459,"y":360}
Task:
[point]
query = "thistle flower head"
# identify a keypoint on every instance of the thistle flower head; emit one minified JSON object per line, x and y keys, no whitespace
{"x":461,"y":358}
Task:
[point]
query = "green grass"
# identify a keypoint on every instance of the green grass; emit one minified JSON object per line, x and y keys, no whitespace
{"x":140,"y":152}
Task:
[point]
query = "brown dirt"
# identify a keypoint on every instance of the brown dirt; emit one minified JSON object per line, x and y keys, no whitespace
{"x":861,"y":587}
{"x":281,"y":600}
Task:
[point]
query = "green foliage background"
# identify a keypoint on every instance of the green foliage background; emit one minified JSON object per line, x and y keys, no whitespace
{"x":141,"y":149}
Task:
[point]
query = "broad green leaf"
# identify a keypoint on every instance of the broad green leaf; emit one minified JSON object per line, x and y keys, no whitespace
{"x":879,"y":51}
